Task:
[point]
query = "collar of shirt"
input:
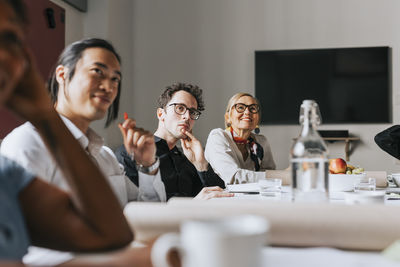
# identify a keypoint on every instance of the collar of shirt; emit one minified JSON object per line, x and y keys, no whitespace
{"x":91,"y":142}
{"x":162,"y":147}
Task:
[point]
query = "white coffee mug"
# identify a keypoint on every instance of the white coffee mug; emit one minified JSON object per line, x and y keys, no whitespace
{"x":230,"y":242}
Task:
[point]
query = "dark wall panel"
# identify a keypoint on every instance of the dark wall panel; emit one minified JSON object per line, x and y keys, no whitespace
{"x":46,"y":37}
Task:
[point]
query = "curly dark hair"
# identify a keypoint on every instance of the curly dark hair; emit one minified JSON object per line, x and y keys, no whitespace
{"x":194,"y":90}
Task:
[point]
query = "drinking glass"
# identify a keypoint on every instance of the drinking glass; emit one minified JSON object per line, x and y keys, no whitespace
{"x":364,"y":184}
{"x":270,"y":187}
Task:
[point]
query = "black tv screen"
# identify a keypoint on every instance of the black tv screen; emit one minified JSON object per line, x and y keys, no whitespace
{"x":350,"y":85}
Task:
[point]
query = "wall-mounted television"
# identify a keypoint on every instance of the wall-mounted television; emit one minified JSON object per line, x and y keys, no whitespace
{"x":350,"y":85}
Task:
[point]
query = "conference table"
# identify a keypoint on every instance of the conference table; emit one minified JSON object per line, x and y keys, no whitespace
{"x":316,"y":256}
{"x":329,"y":234}
{"x":149,"y":220}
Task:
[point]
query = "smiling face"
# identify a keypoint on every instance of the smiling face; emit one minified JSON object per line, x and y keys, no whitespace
{"x":245,"y":121}
{"x":91,"y":90}
{"x":173,"y":123}
{"x":12,"y":56}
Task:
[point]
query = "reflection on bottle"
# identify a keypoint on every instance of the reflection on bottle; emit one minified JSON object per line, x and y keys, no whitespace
{"x":309,"y":158}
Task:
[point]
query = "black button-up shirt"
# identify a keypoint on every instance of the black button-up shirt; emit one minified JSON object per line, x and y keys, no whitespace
{"x":180,"y":177}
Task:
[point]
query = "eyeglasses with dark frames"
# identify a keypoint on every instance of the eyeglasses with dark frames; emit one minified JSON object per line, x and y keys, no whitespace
{"x":241,"y":108}
{"x":180,"y":109}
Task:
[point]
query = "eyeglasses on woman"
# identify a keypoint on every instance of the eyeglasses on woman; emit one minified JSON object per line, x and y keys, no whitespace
{"x":241,"y":108}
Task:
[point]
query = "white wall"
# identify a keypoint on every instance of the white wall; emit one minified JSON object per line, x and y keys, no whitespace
{"x":73,"y":22}
{"x":212,"y":42}
{"x":111,"y":20}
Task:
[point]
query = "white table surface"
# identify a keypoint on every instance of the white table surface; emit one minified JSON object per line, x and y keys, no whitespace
{"x":319,"y":256}
{"x":323,"y":257}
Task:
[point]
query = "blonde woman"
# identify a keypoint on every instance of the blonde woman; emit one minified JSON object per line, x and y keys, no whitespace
{"x":236,"y":154}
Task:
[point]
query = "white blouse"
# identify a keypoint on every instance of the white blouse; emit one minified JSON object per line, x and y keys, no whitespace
{"x":227,"y":161}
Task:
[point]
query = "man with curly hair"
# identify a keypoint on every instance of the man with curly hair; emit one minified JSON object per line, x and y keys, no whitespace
{"x":184,"y":174}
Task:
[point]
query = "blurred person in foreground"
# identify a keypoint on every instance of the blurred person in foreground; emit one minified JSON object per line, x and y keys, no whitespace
{"x":89,"y":217}
{"x":236,"y":154}
{"x":84,"y":86}
{"x":186,"y":174}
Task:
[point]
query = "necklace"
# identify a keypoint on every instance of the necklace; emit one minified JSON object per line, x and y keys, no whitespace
{"x":238,"y":139}
{"x":256,"y":150}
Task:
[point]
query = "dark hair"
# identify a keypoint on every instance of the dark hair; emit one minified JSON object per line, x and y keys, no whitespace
{"x":70,"y":57}
{"x":19,"y":9}
{"x":194,"y":90}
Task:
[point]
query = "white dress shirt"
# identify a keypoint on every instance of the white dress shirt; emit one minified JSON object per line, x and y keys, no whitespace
{"x":25,"y":146}
{"x":227,"y":161}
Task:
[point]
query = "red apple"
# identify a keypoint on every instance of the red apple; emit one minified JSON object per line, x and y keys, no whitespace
{"x":337,"y":166}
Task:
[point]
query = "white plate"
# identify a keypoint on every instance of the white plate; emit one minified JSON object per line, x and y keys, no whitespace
{"x":343,"y":182}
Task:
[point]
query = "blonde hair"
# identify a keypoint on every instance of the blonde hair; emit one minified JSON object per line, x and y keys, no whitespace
{"x":232,"y":101}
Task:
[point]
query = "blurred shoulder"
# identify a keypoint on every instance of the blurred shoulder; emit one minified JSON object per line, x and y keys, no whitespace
{"x":26,"y":128}
{"x":218,"y":132}
{"x":24,"y":136}
{"x":218,"y":135}
{"x":107,"y":152}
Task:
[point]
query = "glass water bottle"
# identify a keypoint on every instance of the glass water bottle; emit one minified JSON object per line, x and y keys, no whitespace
{"x":309,"y":158}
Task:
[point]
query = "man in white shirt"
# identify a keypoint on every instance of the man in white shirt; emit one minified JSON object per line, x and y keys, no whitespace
{"x":85,"y":86}
{"x":25,"y":146}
